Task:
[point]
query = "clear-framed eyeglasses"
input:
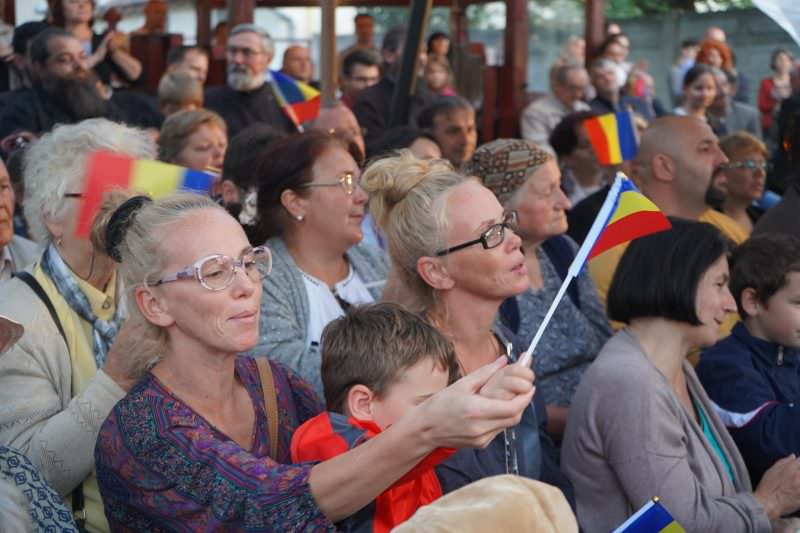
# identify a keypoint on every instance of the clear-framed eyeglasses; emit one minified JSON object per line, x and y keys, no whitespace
{"x":749,"y":164}
{"x":491,"y":238}
{"x":216,"y":272}
{"x":347,"y":181}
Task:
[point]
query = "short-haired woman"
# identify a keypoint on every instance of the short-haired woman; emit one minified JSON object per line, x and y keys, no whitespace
{"x":61,"y":379}
{"x":179,"y":92}
{"x":310,"y":210}
{"x":745,"y":176}
{"x":195,"y":139}
{"x":641,"y":424}
{"x":699,"y":91}
{"x":202,"y":441}
{"x":773,"y":90}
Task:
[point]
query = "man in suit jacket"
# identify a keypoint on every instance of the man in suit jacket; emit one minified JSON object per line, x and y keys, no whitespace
{"x":727,"y":115}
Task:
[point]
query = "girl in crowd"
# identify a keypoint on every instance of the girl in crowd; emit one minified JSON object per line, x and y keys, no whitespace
{"x":60,"y":380}
{"x":699,"y":91}
{"x":527,"y":180}
{"x":455,"y":258}
{"x":310,"y":210}
{"x":106,"y":53}
{"x":439,"y":76}
{"x":202,"y":440}
{"x":641,"y":424}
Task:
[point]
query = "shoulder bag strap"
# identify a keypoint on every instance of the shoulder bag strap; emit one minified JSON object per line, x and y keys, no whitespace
{"x":270,"y":403}
{"x":78,"y":504}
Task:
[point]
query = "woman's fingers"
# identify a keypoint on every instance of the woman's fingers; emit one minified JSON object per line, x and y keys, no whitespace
{"x":474,"y":381}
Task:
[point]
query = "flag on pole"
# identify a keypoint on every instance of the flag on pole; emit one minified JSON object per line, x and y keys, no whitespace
{"x":108,"y":170}
{"x":626,"y":214}
{"x":299,"y":101}
{"x":613,"y":137}
{"x":651,"y":518}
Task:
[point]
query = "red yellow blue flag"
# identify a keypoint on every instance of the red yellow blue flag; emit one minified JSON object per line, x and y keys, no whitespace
{"x":613,"y":137}
{"x":108,"y":170}
{"x":297,"y":99}
{"x":651,"y":518}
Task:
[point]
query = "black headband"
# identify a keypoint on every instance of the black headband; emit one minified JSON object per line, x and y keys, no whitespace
{"x":119,"y":223}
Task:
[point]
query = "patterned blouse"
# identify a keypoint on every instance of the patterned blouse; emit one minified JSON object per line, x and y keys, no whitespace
{"x":162,"y":467}
{"x":573,"y":338}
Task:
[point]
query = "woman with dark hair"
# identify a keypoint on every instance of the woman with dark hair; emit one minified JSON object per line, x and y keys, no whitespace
{"x":641,"y":424}
{"x":310,"y":210}
{"x":105,"y":51}
{"x":419,"y":142}
{"x":773,"y":90}
{"x":438,"y":44}
{"x":581,"y":172}
{"x":699,"y":91}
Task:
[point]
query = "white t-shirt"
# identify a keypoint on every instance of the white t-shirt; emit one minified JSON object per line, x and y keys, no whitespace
{"x":323,"y":306}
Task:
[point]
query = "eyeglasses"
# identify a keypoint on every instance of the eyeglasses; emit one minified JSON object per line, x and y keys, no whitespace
{"x":216,"y":272}
{"x":247,"y":53}
{"x":347,"y":181}
{"x":750,"y":164}
{"x":491,"y":238}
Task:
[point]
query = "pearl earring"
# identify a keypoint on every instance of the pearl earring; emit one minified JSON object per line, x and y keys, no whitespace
{"x":300,"y":218}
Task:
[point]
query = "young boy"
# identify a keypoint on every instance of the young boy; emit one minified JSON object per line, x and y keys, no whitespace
{"x":753,"y":376}
{"x":378,"y":362}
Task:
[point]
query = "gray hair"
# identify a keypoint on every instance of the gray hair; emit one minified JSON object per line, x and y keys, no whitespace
{"x":602,"y":63}
{"x":56,"y":165}
{"x":559,"y":74}
{"x":266,"y":39}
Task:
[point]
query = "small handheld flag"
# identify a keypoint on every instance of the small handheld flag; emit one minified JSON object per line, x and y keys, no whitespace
{"x":651,"y":518}
{"x":299,"y":101}
{"x":626,"y":214}
{"x":108,"y":170}
{"x":613,"y":137}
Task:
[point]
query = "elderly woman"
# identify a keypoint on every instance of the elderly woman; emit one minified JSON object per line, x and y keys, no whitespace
{"x":455,"y":258}
{"x":196,"y":139}
{"x":60,"y":380}
{"x":310,"y":208}
{"x":527,"y":180}
{"x":202,"y":441}
{"x":641,"y":424}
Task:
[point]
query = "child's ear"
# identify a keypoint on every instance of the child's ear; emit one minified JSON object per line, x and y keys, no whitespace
{"x":750,"y":302}
{"x":359,"y":402}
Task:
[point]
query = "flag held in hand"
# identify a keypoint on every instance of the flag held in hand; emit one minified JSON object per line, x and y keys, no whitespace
{"x":613,"y":137}
{"x":651,"y":518}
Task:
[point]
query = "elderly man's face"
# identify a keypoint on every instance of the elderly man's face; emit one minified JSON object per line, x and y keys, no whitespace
{"x":456,"y":135}
{"x":66,"y":59}
{"x":573,"y":89}
{"x":6,"y":207}
{"x":247,"y":60}
{"x":605,"y":82}
{"x":194,"y":64}
{"x":297,"y":63}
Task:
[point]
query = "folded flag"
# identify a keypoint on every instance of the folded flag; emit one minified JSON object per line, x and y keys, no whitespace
{"x":626,"y":214}
{"x":299,"y":101}
{"x":108,"y":170}
{"x":613,"y":137}
{"x":651,"y":518}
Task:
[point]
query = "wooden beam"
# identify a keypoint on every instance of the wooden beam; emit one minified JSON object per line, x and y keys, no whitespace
{"x":327,"y":53}
{"x":595,"y":34}
{"x":418,"y":13}
{"x":203,"y":8}
{"x":511,"y":89}
{"x":459,"y":25}
{"x":240,"y":12}
{"x":10,"y":12}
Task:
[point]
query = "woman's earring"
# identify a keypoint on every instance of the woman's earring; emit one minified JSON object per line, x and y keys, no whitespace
{"x":300,"y":218}
{"x":59,"y":240}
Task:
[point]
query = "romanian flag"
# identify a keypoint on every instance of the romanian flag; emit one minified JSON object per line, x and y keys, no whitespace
{"x":651,"y":518}
{"x":108,"y":170}
{"x":297,"y":99}
{"x":613,"y":137}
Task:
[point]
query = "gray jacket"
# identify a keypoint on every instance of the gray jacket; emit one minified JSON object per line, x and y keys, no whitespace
{"x":628,"y":439}
{"x":285,"y":309}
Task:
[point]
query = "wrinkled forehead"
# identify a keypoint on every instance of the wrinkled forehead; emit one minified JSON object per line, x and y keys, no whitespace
{"x":61,"y":44}
{"x":247,"y":39}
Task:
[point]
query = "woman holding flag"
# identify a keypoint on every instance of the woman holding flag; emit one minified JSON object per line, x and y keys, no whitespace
{"x":641,"y":424}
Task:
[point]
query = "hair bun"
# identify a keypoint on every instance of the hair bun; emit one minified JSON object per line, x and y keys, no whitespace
{"x":119,"y":222}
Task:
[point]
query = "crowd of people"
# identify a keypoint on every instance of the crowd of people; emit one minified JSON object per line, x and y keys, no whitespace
{"x":330,"y":339}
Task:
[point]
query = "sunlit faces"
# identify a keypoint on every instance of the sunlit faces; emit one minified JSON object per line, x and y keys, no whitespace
{"x":247,"y":60}
{"x":777,"y":320}
{"x":416,"y":384}
{"x":494,"y":274}
{"x":541,"y":205}
{"x":77,"y":11}
{"x":700,"y":94}
{"x":224,"y":321}
{"x":361,"y":76}
{"x":204,"y":148}
{"x":330,"y":211}
{"x":6,"y":208}
{"x":424,"y":148}
{"x":713,"y":303}
{"x":456,"y":134}
{"x":574,"y":87}
{"x":194,"y":64}
{"x":742,"y":183}
{"x":695,"y":156}
{"x":66,"y":59}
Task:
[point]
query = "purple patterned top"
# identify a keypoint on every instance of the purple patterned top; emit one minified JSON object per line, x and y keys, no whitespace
{"x":162,"y":467}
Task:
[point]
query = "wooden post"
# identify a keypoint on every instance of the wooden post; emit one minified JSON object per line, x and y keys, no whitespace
{"x":459,"y":25}
{"x":594,"y":28}
{"x":240,"y":12}
{"x":515,"y":68}
{"x":419,"y":11}
{"x":203,"y":9}
{"x":327,"y":55}
{"x":9,"y":12}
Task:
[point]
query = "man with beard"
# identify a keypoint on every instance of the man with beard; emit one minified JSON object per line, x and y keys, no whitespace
{"x":248,"y":96}
{"x":64,"y":92}
{"x":451,"y":121}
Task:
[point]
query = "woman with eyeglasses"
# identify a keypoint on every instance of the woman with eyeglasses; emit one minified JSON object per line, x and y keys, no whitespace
{"x":527,"y":179}
{"x":62,"y":378}
{"x":455,"y":258}
{"x":202,"y":442}
{"x":310,"y":209}
{"x":743,"y":178}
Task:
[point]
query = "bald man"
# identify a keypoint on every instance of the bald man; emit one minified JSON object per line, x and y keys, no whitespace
{"x":341,"y":121}
{"x":677,"y":157}
{"x":297,"y":63}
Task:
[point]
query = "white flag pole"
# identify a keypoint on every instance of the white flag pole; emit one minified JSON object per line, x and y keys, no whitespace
{"x":577,"y":264}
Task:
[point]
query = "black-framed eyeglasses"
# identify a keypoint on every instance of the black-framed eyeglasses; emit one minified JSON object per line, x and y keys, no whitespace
{"x":347,"y":181}
{"x":216,"y":272}
{"x":491,"y":238}
{"x":749,"y":164}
